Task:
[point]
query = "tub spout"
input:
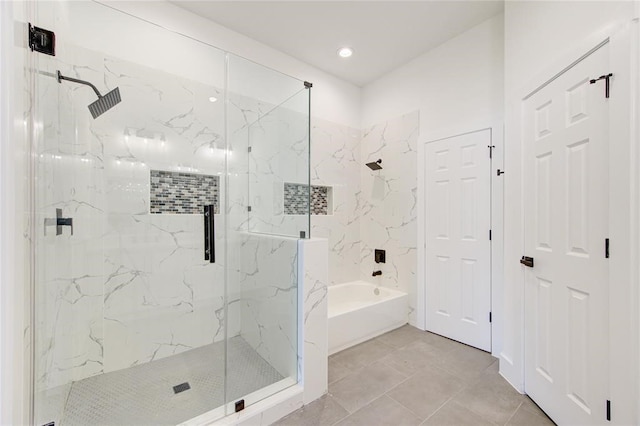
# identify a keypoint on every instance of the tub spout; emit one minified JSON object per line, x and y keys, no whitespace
{"x":376,"y":273}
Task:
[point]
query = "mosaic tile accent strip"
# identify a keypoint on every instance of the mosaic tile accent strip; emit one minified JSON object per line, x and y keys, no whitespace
{"x":182,"y":193}
{"x":295,"y":199}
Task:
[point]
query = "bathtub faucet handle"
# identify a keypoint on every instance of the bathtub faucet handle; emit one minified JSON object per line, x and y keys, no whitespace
{"x":376,"y":273}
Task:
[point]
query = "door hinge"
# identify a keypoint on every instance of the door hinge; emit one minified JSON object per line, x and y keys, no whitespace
{"x":606,"y":248}
{"x":489,"y":234}
{"x":248,"y":208}
{"x":249,"y":149}
{"x":606,"y":78}
{"x":608,"y":410}
{"x":491,"y":150}
{"x":490,"y":318}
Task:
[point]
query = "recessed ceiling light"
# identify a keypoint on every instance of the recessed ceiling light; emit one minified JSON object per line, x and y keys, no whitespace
{"x":345,"y":52}
{"x":213,"y":99}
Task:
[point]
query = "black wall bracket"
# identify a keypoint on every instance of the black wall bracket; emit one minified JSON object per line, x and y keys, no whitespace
{"x":41,"y":40}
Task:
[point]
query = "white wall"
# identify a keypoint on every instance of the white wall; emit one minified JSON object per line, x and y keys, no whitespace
{"x":455,"y":83}
{"x":13,"y":162}
{"x":454,"y":87}
{"x":537,"y":35}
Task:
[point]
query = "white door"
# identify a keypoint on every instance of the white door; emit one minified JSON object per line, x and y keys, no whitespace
{"x":565,"y":139}
{"x":458,"y":249}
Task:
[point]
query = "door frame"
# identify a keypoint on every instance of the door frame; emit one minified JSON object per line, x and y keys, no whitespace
{"x":495,"y":128}
{"x":624,"y":231}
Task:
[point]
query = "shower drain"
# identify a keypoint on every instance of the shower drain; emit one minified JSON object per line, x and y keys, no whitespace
{"x":181,"y":387}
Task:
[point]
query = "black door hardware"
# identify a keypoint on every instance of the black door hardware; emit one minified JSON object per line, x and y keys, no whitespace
{"x":606,"y":83}
{"x":209,"y":234}
{"x":380,"y":256}
{"x":527,"y":261}
{"x":376,"y":273}
{"x":500,"y":172}
{"x":58,"y":222}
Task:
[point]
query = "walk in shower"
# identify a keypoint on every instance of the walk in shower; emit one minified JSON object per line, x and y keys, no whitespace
{"x":145,"y":309}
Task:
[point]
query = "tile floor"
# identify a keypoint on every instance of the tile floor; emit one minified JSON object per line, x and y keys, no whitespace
{"x":143,"y":394}
{"x":411,"y":377}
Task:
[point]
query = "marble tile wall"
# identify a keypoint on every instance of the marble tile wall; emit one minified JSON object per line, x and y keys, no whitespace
{"x":313,"y":341}
{"x":268,"y":278}
{"x":388,"y":204}
{"x":335,"y":163}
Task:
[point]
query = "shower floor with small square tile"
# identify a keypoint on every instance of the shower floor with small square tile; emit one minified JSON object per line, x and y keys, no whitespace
{"x":413,"y":377}
{"x":144,"y":394}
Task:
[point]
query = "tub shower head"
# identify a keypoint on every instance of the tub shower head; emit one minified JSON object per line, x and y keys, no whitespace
{"x":375,"y":165}
{"x":103,"y":104}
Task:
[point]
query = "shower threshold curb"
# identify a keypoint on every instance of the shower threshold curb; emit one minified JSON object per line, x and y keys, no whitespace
{"x":264,"y":412}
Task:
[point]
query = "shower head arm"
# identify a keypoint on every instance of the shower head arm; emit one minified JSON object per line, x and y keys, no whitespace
{"x":75,"y":80}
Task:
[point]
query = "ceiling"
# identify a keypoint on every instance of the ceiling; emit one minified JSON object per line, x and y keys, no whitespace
{"x":383,"y":34}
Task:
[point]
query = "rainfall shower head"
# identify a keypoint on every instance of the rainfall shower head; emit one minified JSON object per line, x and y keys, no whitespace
{"x":375,"y":165}
{"x":103,"y":104}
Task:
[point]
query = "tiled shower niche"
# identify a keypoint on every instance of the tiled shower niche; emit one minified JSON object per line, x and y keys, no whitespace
{"x":295,"y":199}
{"x":182,"y":193}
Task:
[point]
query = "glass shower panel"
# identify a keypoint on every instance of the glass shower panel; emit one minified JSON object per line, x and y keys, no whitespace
{"x":269,"y":115}
{"x":268,"y":129}
{"x":129,"y":316}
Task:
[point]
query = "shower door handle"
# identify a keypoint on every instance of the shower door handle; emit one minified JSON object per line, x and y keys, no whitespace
{"x":209,"y":234}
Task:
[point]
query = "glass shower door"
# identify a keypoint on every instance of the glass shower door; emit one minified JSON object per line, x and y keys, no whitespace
{"x":268,"y":128}
{"x":129,"y":315}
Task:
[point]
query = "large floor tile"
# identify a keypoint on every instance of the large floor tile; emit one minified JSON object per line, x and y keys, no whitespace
{"x":322,"y":412}
{"x":525,"y":417}
{"x":402,"y":336}
{"x":407,"y":376}
{"x":440,"y":344}
{"x":529,"y":404}
{"x":466,"y":362}
{"x":490,"y":378}
{"x":381,"y":412}
{"x":337,"y":370}
{"x":426,"y":391}
{"x":363,"y":354}
{"x":363,"y":386}
{"x":490,"y":403}
{"x":413,"y":358}
{"x":454,"y":414}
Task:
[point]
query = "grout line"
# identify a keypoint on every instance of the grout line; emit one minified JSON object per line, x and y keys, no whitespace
{"x":514,"y":413}
{"x":407,"y":408}
{"x":338,"y":402}
{"x":437,"y":409}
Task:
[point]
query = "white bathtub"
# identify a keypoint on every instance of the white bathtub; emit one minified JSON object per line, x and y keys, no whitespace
{"x":357,"y":314}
